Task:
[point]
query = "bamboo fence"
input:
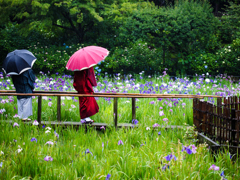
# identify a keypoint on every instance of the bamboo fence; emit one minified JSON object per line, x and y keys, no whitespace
{"x":220,"y":122}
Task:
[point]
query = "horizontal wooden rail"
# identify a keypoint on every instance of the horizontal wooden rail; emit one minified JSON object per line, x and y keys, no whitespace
{"x":115,"y":96}
{"x":99,"y":95}
{"x":120,"y":95}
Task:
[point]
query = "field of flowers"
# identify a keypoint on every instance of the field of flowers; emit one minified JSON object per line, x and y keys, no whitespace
{"x":32,"y":152}
{"x":174,"y":111}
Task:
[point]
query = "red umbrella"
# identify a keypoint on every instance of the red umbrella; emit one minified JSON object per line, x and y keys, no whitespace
{"x":86,"y":57}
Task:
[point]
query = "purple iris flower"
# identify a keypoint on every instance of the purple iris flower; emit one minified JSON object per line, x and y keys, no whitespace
{"x":56,"y":134}
{"x":88,"y":152}
{"x":50,"y":143}
{"x":188,"y":150}
{"x":48,"y":158}
{"x":120,"y":142}
{"x":170,"y":157}
{"x":108,"y":177}
{"x":159,"y":133}
{"x":152,"y":102}
{"x":102,"y":127}
{"x":223,"y":176}
{"x":214,"y":167}
{"x":165,"y":167}
{"x":15,"y":124}
{"x":230,"y":156}
{"x":156,"y":125}
{"x":134,"y":121}
{"x":43,"y":126}
{"x":34,"y":139}
{"x":83,"y":121}
{"x":161,"y":113}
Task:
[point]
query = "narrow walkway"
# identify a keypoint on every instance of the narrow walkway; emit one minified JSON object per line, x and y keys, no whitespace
{"x":97,"y":125}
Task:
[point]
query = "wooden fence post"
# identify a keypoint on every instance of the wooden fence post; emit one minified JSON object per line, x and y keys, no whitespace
{"x":219,"y":116}
{"x":59,"y":108}
{"x":39,"y":109}
{"x":115,"y":111}
{"x":225,"y":122}
{"x":233,"y":128}
{"x":194,"y":111}
{"x":210,"y":119}
{"x":204,"y":117}
{"x":198,"y":115}
{"x":201,"y":116}
{"x":133,"y":108}
{"x":237,"y":127}
{"x":236,"y":103}
{"x":214,"y":123}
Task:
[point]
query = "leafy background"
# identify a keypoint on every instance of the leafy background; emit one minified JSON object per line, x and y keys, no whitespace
{"x":185,"y":37}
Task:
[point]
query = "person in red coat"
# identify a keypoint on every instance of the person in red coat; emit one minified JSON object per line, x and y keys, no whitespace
{"x":83,"y":82}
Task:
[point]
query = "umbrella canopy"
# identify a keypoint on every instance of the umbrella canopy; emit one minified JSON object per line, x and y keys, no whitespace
{"x":86,"y":58}
{"x":18,"y":61}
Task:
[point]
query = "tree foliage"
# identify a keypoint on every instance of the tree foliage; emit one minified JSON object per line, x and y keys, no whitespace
{"x":176,"y":31}
{"x":75,"y":16}
{"x":183,"y":35}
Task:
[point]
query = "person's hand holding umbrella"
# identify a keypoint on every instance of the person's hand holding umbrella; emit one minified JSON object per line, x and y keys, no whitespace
{"x":82,"y":62}
{"x":18,"y":64}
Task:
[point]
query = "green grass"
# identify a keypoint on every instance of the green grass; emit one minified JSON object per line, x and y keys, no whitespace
{"x":132,"y":160}
{"x":143,"y":153}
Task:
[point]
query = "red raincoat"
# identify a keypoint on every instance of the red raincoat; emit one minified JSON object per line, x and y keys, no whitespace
{"x":83,"y":82}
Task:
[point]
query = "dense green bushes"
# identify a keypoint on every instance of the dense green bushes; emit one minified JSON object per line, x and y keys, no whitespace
{"x":228,"y":58}
{"x":186,"y":39}
{"x":52,"y":58}
{"x":177,"y":35}
{"x":11,"y":39}
{"x":139,"y":56}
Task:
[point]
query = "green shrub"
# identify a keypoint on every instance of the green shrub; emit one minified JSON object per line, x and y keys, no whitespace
{"x":179,"y":31}
{"x":223,"y":60}
{"x":228,"y":58}
{"x":52,"y":58}
{"x":231,"y":21}
{"x":133,"y":59}
{"x":11,"y":39}
{"x":198,"y":63}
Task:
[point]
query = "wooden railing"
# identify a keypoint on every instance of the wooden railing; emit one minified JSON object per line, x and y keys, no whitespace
{"x":220,"y":122}
{"x":115,"y":96}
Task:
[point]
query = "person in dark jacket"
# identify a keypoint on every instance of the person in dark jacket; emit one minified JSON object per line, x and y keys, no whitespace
{"x":24,"y":83}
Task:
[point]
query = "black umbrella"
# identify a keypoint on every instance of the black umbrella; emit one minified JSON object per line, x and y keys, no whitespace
{"x":18,"y":61}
